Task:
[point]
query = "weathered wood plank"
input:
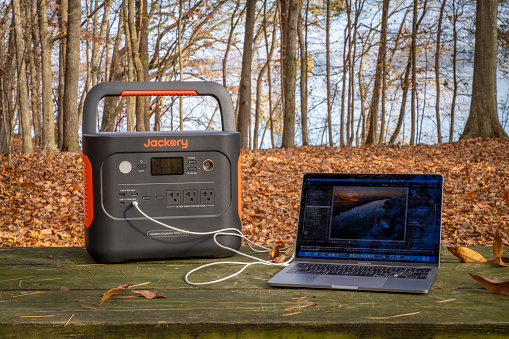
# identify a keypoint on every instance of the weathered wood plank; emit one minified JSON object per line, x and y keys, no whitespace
{"x":31,"y":302}
{"x":357,"y":311}
{"x":171,"y":276}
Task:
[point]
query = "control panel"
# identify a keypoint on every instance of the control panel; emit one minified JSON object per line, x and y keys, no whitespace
{"x":166,"y":184}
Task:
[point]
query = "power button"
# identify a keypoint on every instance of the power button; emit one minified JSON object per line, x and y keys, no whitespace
{"x":125,"y":167}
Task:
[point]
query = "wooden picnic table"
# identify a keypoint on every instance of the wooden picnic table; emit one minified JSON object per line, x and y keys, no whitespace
{"x":53,"y":292}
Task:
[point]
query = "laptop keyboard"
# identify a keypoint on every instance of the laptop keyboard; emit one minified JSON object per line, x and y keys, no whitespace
{"x":361,"y":271}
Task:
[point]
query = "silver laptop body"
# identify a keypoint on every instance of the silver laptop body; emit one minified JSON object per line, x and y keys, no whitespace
{"x":375,"y":232}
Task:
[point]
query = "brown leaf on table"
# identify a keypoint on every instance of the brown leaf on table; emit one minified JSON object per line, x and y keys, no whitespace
{"x":494,"y":285}
{"x":290,"y":251}
{"x":114,"y":291}
{"x":149,"y":294}
{"x":280,"y":259}
{"x":466,"y":254}
{"x":498,"y":248}
{"x":274,"y":252}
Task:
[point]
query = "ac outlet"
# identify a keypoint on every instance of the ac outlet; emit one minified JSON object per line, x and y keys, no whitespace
{"x":207,"y":196}
{"x":190,"y":196}
{"x":173,"y":198}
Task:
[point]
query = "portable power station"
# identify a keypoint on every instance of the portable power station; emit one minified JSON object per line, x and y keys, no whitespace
{"x":186,"y":179}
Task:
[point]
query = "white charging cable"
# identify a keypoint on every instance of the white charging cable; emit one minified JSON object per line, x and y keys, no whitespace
{"x":224,"y":231}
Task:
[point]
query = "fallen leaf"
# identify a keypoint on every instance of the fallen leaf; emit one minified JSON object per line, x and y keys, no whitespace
{"x":506,"y":193}
{"x":472,"y":195}
{"x":290,"y":251}
{"x":498,"y":245}
{"x":280,"y":259}
{"x":466,"y":254}
{"x":149,"y":294}
{"x":114,"y":291}
{"x":498,"y":248}
{"x":274,"y":252}
{"x":494,"y":285}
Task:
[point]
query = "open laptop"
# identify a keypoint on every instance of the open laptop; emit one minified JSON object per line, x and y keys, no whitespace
{"x":378,"y":232}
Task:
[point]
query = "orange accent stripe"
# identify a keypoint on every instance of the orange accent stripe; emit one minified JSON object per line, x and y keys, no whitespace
{"x":158,"y":93}
{"x":88,"y":191}
{"x":240,"y":190}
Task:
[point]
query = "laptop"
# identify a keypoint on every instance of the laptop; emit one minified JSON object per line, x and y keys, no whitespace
{"x":373,"y":232}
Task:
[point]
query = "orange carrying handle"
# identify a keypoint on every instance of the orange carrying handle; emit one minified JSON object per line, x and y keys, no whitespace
{"x":179,"y":93}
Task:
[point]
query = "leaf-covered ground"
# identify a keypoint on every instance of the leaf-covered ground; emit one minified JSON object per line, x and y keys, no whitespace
{"x":41,"y":202}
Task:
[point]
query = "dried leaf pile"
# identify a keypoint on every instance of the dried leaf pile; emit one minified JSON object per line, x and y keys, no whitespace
{"x":41,"y":202}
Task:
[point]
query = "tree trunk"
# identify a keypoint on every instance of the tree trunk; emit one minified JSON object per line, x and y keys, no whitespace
{"x":269,"y":77}
{"x":414,"y":73}
{"x":371,"y":138}
{"x":303,"y":76}
{"x":35,"y":98}
{"x":483,"y":118}
{"x":289,"y":64}
{"x":135,"y":51}
{"x":72,"y":67}
{"x":346,"y":60}
{"x":233,"y":24}
{"x":6,"y":83}
{"x":454,"y":70}
{"x":131,"y":101}
{"x":327,"y":62}
{"x":22,"y":88}
{"x":142,"y":28}
{"x":245,"y":77}
{"x":437,"y":72}
{"x":181,"y":63}
{"x":94,"y":69}
{"x":259,"y":86}
{"x":115,"y":74}
{"x":62,"y":25}
{"x":404,"y":87}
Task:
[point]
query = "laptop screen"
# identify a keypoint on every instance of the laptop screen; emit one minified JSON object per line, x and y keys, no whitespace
{"x":390,"y":217}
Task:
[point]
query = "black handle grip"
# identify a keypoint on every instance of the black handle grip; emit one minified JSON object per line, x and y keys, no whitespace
{"x":180,"y":88}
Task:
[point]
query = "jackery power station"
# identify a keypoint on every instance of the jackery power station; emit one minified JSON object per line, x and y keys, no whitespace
{"x":187,"y":179}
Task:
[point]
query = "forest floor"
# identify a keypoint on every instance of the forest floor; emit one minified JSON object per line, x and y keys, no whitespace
{"x":41,"y":200}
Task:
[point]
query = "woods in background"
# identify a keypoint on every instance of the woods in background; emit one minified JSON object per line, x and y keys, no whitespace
{"x":341,"y":73}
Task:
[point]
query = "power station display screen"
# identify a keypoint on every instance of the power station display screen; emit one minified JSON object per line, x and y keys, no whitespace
{"x":167,"y":166}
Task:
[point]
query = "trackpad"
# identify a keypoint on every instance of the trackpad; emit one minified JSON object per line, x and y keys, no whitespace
{"x":328,"y":280}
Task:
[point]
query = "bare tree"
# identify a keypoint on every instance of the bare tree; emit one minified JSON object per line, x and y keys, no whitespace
{"x":303,"y":41}
{"x":7,"y":74}
{"x":63,"y":19}
{"x":264,"y":69}
{"x":327,"y":62}
{"x":483,"y":118}
{"x":24,"y":114}
{"x":454,"y":20}
{"x":289,"y":15}
{"x":373,"y":123}
{"x":32,"y":40}
{"x":138,"y":65}
{"x":437,"y":72}
{"x":245,"y":77}
{"x":72,"y":66}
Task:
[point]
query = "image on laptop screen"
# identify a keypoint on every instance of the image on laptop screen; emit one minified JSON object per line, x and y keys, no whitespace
{"x":370,"y":216}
